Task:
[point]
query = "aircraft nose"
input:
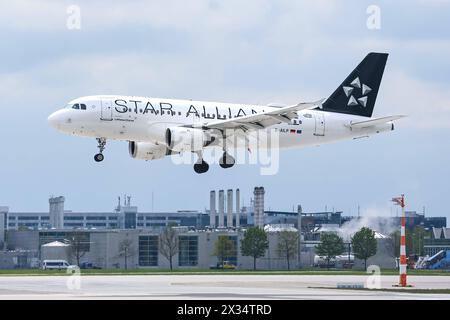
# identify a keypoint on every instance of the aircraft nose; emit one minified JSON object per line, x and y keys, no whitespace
{"x":54,"y":120}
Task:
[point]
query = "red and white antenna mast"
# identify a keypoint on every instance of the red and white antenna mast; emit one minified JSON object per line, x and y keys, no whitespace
{"x":401,"y":202}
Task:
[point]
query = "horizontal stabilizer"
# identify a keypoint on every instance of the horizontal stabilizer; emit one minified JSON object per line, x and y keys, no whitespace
{"x":374,"y":122}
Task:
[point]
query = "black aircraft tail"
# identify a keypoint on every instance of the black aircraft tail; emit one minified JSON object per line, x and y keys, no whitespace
{"x":358,"y":93}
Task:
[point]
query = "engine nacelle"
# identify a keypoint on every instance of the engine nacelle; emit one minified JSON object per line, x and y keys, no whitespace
{"x":182,"y":139}
{"x":147,"y":150}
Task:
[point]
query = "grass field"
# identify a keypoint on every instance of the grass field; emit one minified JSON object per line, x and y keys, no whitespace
{"x":39,"y":272}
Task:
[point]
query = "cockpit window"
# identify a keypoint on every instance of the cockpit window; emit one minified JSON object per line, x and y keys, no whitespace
{"x":77,"y":106}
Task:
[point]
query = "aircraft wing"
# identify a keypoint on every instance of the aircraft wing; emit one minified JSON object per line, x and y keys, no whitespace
{"x":374,"y":122}
{"x":261,"y":120}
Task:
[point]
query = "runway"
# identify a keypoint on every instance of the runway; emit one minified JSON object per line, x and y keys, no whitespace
{"x":223,"y":287}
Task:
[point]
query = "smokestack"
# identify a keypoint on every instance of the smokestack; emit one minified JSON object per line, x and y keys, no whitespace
{"x":299,"y":218}
{"x":299,"y":227}
{"x":238,"y":208}
{"x":212,"y":209}
{"x":259,"y":207}
{"x":230,"y":208}
{"x":221,"y":208}
{"x":3,"y":225}
{"x":56,"y":212}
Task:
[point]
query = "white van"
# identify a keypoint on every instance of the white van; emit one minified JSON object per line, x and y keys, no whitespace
{"x":55,"y":264}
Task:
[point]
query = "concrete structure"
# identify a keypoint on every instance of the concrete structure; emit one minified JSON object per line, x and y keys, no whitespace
{"x":212,"y":209}
{"x":3,"y":225}
{"x":221,"y":209}
{"x":110,"y":220}
{"x":105,"y":231}
{"x":223,"y":288}
{"x":196,"y":248}
{"x":56,"y":212}
{"x":230,"y":208}
{"x":102,"y":248}
{"x":259,"y":207}
{"x":126,"y":216}
{"x":238,"y":208}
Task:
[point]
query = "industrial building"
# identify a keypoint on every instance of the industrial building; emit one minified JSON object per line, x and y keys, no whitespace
{"x":102,"y":249}
{"x":27,"y":238}
{"x":124,"y":216}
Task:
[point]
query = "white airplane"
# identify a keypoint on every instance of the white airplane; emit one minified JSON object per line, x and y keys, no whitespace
{"x":157,"y":127}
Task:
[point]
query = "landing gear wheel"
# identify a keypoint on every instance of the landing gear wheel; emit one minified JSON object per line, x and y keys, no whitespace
{"x":226,"y":161}
{"x":101,"y":146}
{"x":201,"y":167}
{"x":99,"y":157}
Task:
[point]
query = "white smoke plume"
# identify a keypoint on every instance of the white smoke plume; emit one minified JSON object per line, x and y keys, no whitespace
{"x":377,"y":219}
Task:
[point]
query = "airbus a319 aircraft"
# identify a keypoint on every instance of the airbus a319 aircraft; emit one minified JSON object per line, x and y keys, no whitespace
{"x":155,"y":128}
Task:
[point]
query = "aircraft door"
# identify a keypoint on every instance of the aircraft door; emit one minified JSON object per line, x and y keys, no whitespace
{"x":106,"y":113}
{"x":320,"y":124}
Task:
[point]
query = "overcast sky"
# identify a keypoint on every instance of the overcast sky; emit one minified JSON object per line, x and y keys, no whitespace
{"x":253,"y":51}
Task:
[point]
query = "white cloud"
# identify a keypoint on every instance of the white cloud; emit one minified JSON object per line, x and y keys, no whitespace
{"x":283,"y":36}
{"x":427,"y":104}
{"x":23,"y":15}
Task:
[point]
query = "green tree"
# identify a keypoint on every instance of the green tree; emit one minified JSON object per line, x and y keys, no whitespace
{"x":364,"y":244}
{"x":330,"y":246}
{"x":287,"y":245}
{"x":223,"y":247}
{"x":254,"y":244}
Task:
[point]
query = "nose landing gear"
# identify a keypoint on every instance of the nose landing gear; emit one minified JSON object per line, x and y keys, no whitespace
{"x":101,"y":146}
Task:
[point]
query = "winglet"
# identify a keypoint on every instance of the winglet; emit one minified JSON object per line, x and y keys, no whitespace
{"x":309,"y":105}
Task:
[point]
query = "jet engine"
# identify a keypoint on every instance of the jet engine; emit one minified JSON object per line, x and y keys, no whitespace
{"x":147,"y":150}
{"x":182,"y":139}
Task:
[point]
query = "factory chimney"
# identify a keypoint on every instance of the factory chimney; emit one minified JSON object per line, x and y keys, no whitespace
{"x":238,"y":208}
{"x":299,"y":227}
{"x":212,"y":209}
{"x":258,"y":210}
{"x":230,"y":208}
{"x":221,"y":209}
{"x":56,"y":212}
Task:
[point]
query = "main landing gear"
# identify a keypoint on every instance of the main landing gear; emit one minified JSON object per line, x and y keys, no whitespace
{"x":201,"y":166}
{"x":101,"y":146}
{"x":227,"y":161}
